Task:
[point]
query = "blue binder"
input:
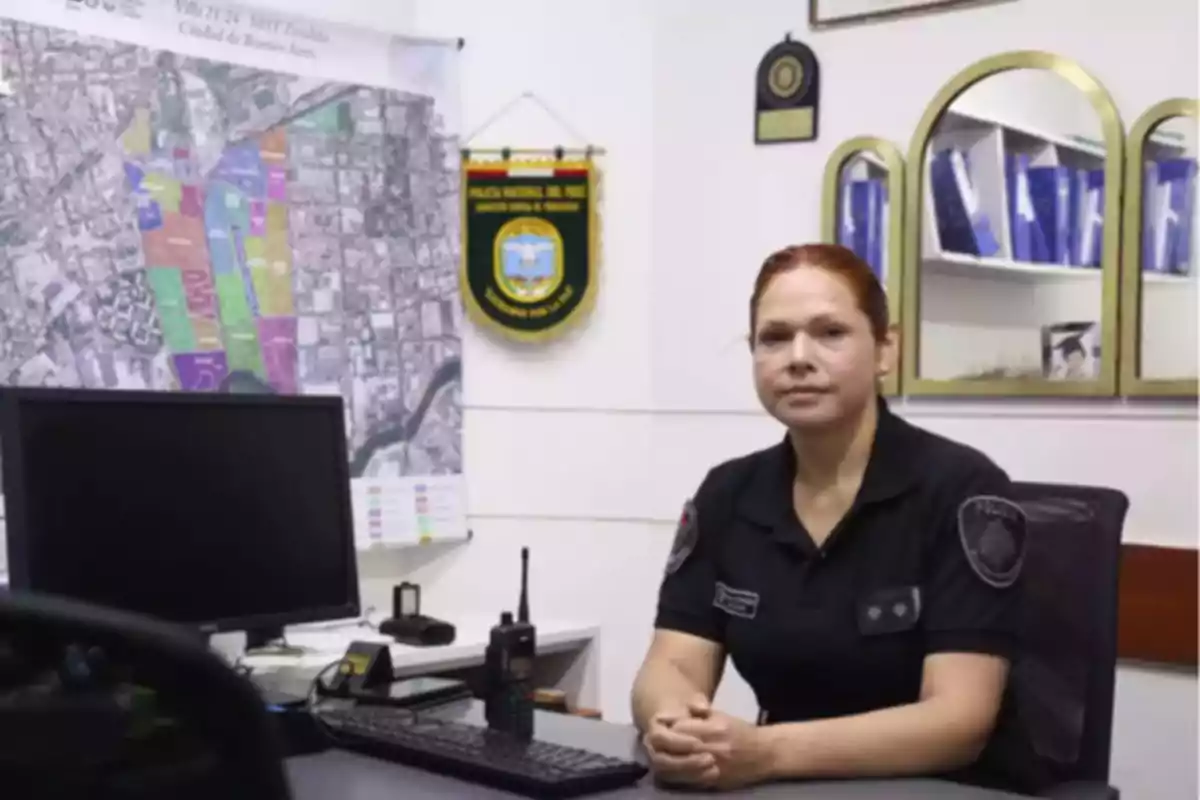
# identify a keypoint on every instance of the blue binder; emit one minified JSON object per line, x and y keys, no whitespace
{"x":1184,"y":249}
{"x":846,"y":226}
{"x":1050,"y":191}
{"x":1173,"y":225}
{"x":1077,"y":181}
{"x":963,"y":227}
{"x":1091,"y":219}
{"x":863,"y":217}
{"x":1028,"y":239}
{"x":880,"y":247}
{"x":867,"y":200}
{"x":1150,"y":205}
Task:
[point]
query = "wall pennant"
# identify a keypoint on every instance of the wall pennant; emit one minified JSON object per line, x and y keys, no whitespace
{"x":530,"y":265}
{"x":787,"y":94}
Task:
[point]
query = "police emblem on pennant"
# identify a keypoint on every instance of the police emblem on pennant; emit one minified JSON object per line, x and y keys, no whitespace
{"x":687,"y":532}
{"x":529,"y":259}
{"x":995,"y":535}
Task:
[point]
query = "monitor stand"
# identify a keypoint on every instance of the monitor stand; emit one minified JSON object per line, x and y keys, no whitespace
{"x":269,"y":642}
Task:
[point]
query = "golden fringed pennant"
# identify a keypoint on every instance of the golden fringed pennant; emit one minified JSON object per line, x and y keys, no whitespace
{"x":530,"y":263}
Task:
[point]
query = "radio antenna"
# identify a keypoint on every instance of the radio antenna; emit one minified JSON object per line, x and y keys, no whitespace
{"x":523,"y":605}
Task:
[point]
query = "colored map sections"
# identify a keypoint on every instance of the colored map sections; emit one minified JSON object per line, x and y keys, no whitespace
{"x":218,"y":258}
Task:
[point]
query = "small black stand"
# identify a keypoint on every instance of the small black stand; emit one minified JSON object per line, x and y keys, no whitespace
{"x":262,"y":638}
{"x":408,"y":625}
{"x":269,"y":641}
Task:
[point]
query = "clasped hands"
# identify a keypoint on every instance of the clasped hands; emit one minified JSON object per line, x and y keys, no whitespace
{"x":704,"y":748}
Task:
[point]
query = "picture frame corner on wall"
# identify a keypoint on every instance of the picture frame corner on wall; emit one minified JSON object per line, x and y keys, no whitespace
{"x":824,"y":14}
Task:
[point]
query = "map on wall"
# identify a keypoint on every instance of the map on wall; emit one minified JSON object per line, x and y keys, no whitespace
{"x":169,"y":222}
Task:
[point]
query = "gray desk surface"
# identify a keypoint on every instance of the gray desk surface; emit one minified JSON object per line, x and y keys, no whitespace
{"x":340,"y":775}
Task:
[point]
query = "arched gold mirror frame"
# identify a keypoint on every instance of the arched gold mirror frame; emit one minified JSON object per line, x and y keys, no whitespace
{"x":1131,"y":382}
{"x":1113,"y":134}
{"x":893,"y":162}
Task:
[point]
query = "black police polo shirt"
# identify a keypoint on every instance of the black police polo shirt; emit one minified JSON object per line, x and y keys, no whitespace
{"x":842,"y":628}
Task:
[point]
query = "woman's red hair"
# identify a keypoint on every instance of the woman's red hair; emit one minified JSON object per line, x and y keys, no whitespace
{"x":834,"y":259}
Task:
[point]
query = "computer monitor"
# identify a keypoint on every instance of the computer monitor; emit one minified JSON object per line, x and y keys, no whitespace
{"x":222,"y":512}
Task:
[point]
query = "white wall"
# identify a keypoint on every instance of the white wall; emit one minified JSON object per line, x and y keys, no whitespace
{"x":586,"y":450}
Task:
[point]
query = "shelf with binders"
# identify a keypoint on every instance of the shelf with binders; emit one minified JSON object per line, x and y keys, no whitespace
{"x":862,"y":214}
{"x":1166,"y":316}
{"x":1168,"y":211}
{"x":1011,"y":243}
{"x":1032,"y":203}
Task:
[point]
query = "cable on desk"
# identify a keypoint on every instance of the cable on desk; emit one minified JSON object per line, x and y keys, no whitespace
{"x":314,"y":688}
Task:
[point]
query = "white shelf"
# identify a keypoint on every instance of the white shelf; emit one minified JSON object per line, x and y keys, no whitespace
{"x":1173,"y":144}
{"x":962,"y":264}
{"x":322,"y":644}
{"x":862,"y":165}
{"x":871,"y":158}
{"x":1167,"y":278}
{"x":1068,"y":142}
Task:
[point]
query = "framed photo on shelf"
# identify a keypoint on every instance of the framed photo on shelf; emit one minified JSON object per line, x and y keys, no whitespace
{"x":1071,"y":351}
{"x":834,"y":13}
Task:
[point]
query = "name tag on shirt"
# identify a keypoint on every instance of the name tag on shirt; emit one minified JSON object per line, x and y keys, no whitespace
{"x":737,"y":602}
{"x":891,"y":610}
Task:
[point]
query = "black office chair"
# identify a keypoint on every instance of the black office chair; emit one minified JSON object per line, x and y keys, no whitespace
{"x":102,"y":704}
{"x":1063,"y":682}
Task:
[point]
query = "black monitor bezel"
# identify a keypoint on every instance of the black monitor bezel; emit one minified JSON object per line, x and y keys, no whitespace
{"x":12,"y":458}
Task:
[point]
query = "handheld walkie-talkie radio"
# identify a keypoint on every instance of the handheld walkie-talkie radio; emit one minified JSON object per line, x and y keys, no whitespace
{"x":508,"y":662}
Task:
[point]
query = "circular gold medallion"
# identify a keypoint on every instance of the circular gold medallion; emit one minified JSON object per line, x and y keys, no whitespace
{"x":786,"y":76}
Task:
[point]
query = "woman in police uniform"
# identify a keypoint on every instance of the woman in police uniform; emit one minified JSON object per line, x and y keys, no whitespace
{"x":860,"y":574}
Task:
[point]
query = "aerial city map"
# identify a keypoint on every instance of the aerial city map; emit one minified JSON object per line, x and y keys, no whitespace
{"x":172,"y":223}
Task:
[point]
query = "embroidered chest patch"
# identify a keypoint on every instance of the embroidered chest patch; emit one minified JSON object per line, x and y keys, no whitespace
{"x":736,"y":602}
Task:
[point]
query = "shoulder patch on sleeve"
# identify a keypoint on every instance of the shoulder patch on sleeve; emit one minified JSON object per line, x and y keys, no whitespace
{"x":686,"y":534}
{"x":994,"y":533}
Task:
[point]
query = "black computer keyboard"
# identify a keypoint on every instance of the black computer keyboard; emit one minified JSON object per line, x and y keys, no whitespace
{"x":531,"y":768}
